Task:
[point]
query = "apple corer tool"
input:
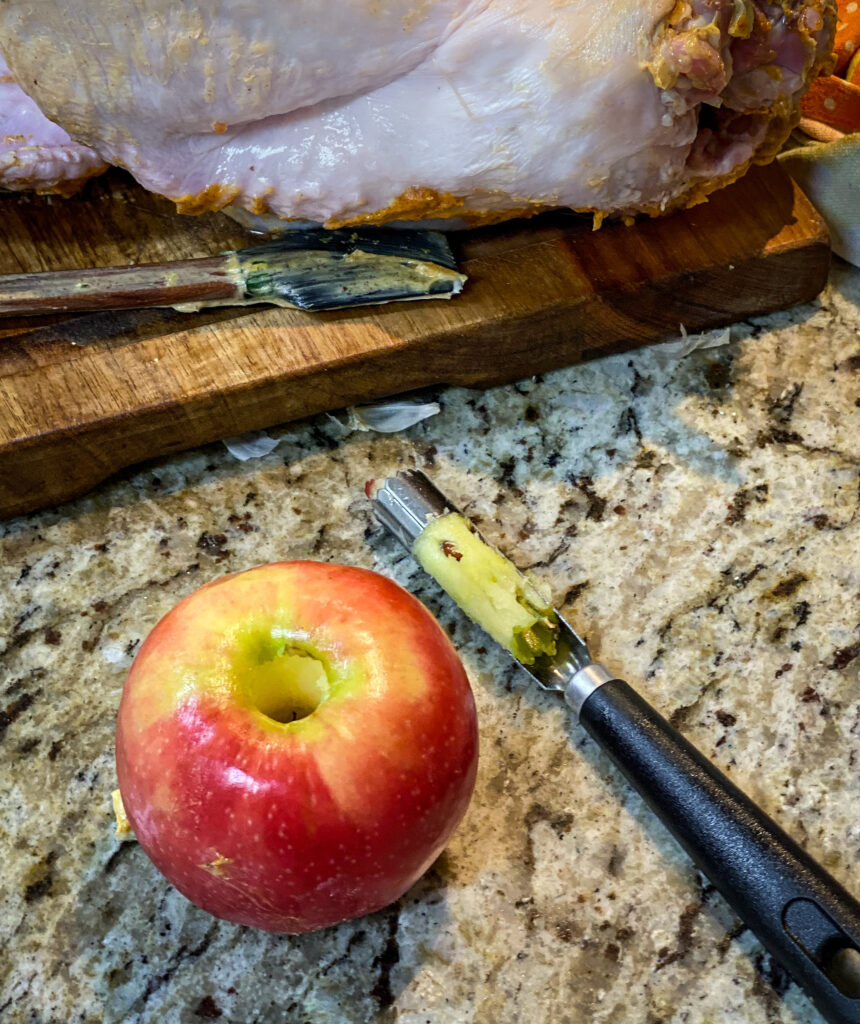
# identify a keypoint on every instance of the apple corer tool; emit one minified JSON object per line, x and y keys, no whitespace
{"x":805,"y":919}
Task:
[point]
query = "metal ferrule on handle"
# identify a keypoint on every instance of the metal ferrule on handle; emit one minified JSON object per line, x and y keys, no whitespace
{"x":583,"y":684}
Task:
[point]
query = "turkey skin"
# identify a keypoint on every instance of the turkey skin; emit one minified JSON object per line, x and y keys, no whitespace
{"x":36,"y":154}
{"x":371,"y":111}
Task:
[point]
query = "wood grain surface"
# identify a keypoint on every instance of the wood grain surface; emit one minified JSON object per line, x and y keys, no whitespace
{"x":84,"y":396}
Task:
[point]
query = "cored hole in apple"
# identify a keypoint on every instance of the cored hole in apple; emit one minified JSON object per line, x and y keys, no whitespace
{"x":287,"y":687}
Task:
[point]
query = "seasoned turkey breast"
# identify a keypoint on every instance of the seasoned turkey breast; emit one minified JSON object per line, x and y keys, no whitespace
{"x":379,"y":110}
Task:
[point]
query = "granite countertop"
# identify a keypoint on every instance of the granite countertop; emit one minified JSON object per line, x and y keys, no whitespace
{"x":696,"y":517}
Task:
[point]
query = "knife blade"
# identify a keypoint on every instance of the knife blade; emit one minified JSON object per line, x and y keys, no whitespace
{"x":807,"y":921}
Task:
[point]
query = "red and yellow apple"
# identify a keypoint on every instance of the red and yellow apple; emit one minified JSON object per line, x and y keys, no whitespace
{"x":296,"y":744}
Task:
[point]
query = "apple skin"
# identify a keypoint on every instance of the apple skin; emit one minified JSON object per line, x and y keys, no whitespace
{"x":295,"y":827}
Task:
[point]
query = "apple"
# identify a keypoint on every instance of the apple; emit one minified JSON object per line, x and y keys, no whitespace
{"x":296,"y":744}
{"x":489,"y":588}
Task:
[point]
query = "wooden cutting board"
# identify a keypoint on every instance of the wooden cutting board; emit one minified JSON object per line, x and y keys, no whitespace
{"x":81,"y":397}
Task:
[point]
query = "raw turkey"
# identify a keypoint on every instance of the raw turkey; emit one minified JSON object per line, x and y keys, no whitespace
{"x":36,"y":154}
{"x":368,"y":111}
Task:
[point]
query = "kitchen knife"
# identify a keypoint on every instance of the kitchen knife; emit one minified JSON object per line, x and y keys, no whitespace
{"x":310,"y":270}
{"x":807,"y":921}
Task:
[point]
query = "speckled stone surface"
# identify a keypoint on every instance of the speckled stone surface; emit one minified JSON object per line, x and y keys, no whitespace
{"x":696,"y":518}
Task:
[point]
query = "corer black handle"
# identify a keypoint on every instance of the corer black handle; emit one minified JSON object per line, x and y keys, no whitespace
{"x":807,"y":921}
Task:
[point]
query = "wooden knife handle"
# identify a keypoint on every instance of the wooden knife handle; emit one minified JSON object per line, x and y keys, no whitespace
{"x":152,"y":284}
